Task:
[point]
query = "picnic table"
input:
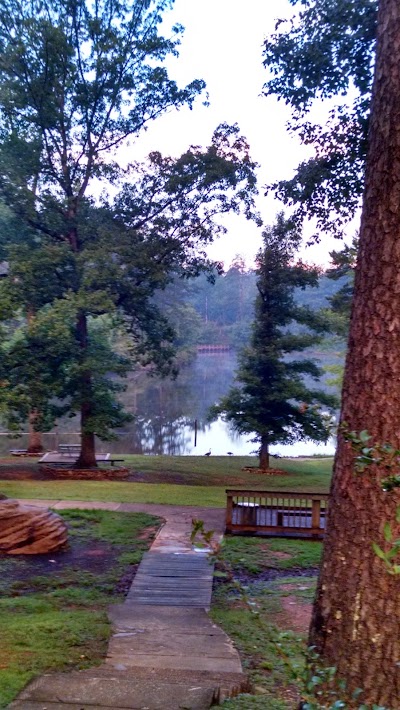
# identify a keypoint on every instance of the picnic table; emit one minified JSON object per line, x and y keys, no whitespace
{"x":69,"y":448}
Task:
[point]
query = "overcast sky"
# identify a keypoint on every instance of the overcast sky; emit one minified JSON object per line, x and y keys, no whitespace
{"x":222,"y":44}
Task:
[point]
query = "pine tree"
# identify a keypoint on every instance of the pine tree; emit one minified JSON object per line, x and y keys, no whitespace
{"x":272,"y":400}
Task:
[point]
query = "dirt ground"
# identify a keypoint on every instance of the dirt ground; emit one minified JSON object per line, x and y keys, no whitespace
{"x":296,"y":615}
{"x":28,"y":470}
{"x":296,"y":612}
{"x":93,"y":557}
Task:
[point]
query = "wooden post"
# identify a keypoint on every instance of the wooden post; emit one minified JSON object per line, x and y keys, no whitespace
{"x":229,"y":510}
{"x":316,"y":514}
{"x":249,"y":515}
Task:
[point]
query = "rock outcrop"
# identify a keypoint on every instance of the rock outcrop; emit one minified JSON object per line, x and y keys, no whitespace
{"x":28,"y":530}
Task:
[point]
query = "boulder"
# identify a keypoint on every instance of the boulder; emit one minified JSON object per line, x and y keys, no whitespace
{"x":28,"y":530}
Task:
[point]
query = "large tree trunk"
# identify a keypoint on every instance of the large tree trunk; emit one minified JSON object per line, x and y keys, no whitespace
{"x":87,"y":456}
{"x":356,"y":618}
{"x":35,"y":445}
{"x":264,"y":454}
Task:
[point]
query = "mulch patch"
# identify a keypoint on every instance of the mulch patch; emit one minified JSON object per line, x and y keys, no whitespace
{"x":265,"y":471}
{"x":21,"y":471}
{"x":11,"y":470}
{"x":269,"y":574}
{"x":96,"y":557}
{"x":30,"y":471}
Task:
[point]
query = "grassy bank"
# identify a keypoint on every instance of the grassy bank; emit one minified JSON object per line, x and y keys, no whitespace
{"x":116,"y":492}
{"x":53,"y":607}
{"x":268,"y":619}
{"x":184,"y":480}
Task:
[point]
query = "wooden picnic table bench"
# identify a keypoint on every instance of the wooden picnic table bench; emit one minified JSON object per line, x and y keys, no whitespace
{"x":68,"y":448}
{"x":278,"y":513}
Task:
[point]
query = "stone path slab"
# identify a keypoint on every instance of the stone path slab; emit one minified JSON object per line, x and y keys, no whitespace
{"x":90,"y":689}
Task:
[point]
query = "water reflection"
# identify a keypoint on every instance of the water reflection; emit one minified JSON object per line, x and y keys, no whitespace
{"x":165,"y":412}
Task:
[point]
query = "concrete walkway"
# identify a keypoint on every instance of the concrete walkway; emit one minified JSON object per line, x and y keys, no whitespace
{"x":165,"y":653}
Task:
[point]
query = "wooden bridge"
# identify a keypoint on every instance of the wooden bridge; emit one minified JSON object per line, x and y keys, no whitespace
{"x":221,"y":348}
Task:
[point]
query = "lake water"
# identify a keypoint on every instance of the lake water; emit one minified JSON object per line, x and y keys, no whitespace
{"x":165,"y":413}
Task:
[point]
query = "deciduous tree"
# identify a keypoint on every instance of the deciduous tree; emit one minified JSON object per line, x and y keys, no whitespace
{"x":326,"y":51}
{"x":77,"y":80}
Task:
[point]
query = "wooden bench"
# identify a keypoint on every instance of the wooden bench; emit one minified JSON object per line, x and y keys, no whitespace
{"x":19,"y":452}
{"x":278,"y":513}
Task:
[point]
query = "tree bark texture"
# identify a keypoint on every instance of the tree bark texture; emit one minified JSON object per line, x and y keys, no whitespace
{"x":35,"y":445}
{"x":264,"y":454}
{"x":87,"y":456}
{"x":356,"y":618}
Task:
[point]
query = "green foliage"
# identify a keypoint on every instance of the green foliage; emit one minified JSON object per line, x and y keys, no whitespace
{"x":325,"y":51}
{"x":368,"y":453}
{"x":41,"y":369}
{"x":77,"y":81}
{"x":225,"y":304}
{"x":271,"y":399}
{"x":393,"y":548}
{"x":343,"y":266}
{"x":322,"y":690}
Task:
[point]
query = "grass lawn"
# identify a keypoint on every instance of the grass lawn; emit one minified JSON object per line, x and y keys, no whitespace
{"x":117,"y":492}
{"x":53,"y":607}
{"x":52,"y":622}
{"x":228,"y":471}
{"x":269,"y":619}
{"x":178,"y":480}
